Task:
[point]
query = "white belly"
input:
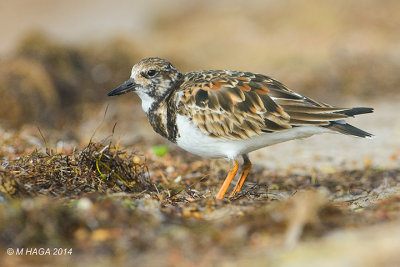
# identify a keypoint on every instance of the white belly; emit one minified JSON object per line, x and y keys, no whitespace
{"x":194,"y":141}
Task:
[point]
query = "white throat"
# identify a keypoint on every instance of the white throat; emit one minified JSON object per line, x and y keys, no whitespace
{"x":147,"y":101}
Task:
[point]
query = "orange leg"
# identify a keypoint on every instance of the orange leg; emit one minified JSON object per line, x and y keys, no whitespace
{"x":228,"y":180}
{"x":246,"y":170}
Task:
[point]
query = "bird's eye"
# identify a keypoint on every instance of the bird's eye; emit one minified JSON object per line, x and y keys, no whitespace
{"x":151,"y":73}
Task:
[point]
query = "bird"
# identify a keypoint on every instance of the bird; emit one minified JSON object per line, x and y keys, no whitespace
{"x":228,"y":114}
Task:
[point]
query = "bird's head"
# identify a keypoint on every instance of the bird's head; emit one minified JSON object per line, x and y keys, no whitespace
{"x":151,"y":79}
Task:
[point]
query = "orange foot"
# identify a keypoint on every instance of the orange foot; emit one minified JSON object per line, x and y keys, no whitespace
{"x":228,"y":180}
{"x":246,"y":170}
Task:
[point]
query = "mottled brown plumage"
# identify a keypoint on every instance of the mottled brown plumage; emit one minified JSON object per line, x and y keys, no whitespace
{"x":228,"y":114}
{"x":239,"y":105}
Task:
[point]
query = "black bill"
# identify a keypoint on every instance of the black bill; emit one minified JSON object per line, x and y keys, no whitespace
{"x":124,"y":88}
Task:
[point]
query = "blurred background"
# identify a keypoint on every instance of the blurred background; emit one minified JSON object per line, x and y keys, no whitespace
{"x":58,"y":59}
{"x":338,"y":194}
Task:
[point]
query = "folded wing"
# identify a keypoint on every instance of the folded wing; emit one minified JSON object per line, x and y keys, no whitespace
{"x":239,"y":105}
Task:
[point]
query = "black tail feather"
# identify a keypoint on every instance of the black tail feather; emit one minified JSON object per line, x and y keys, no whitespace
{"x":356,"y":111}
{"x":346,"y":128}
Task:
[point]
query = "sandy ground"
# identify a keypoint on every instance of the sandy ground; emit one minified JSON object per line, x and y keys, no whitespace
{"x":327,"y":152}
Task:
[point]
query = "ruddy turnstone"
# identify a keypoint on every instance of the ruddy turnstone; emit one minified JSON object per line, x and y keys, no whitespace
{"x":227,"y":114}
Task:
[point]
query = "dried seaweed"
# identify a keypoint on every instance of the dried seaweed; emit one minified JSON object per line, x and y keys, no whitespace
{"x":97,"y":168}
{"x":104,"y":201}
